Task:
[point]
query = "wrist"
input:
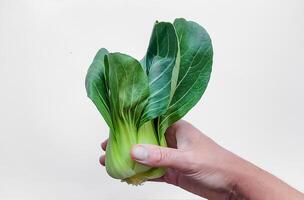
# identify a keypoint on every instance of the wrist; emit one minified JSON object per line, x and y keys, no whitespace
{"x":238,"y":171}
{"x":251,"y":182}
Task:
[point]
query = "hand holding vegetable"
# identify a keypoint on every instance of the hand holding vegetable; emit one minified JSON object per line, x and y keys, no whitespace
{"x":139,"y":100}
{"x":199,"y":165}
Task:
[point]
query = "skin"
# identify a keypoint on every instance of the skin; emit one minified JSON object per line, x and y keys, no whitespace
{"x":199,"y":165}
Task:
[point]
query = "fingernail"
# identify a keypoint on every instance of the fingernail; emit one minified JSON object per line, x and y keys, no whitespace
{"x":140,"y":153}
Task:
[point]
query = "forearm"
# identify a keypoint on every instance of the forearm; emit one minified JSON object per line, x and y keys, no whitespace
{"x":253,"y":183}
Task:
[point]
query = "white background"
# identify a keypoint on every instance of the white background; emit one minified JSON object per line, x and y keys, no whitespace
{"x":50,"y":132}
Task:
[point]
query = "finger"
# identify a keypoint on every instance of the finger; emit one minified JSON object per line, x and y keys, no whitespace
{"x":157,"y":156}
{"x":104,"y":144}
{"x":102,"y":160}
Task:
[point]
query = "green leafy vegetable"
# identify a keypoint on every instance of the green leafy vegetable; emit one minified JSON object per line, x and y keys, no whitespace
{"x":140,"y":100}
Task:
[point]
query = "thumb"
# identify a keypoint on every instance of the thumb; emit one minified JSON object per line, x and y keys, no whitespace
{"x":157,"y":156}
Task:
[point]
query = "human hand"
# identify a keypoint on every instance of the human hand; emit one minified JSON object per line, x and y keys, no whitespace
{"x":197,"y":164}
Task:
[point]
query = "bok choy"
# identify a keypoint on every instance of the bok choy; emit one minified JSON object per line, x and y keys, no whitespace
{"x":139,"y":100}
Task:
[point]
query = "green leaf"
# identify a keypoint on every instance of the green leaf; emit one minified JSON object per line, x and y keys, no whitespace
{"x":96,"y":86}
{"x":159,"y":62}
{"x":195,"y":68}
{"x":128,"y":87}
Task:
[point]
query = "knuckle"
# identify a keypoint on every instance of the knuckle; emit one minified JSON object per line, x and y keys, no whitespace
{"x":160,"y":156}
